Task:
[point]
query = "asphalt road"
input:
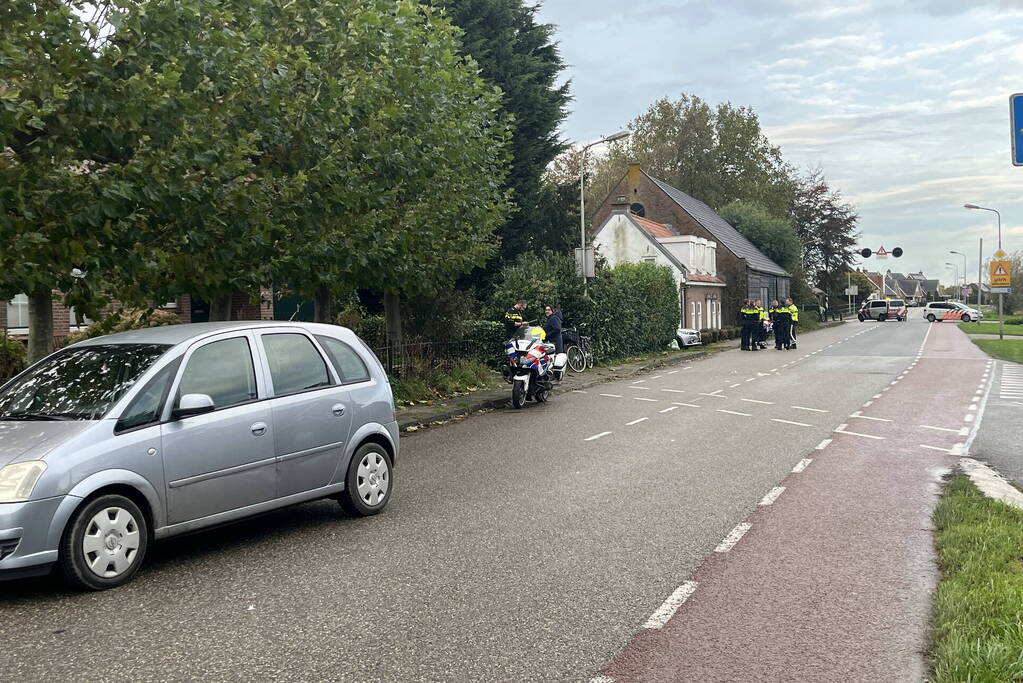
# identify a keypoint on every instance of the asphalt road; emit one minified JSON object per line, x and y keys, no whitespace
{"x":998,"y":438}
{"x":521,"y":545}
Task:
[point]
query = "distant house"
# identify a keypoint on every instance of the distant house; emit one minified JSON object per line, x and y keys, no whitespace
{"x":912,"y":288}
{"x":626,"y":237}
{"x":745,"y":270}
{"x":929,"y":286}
{"x":885,"y":286}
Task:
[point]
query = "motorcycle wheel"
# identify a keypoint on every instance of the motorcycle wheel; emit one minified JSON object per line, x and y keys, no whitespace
{"x":518,"y":394}
{"x":576,"y":361}
{"x":543,"y":393}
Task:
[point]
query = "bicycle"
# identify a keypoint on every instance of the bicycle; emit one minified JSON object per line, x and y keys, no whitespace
{"x":579,"y":350}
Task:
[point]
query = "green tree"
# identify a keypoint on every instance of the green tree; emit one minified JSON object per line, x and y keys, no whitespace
{"x":827,"y":227}
{"x":519,"y":55}
{"x":773,"y":236}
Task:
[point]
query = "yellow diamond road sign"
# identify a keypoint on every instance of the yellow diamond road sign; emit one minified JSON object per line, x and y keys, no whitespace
{"x":1001,"y":274}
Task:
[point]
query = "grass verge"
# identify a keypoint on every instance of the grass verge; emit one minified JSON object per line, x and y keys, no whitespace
{"x":462,"y":378}
{"x":977,"y":614}
{"x":989,"y":328}
{"x":1003,"y":349}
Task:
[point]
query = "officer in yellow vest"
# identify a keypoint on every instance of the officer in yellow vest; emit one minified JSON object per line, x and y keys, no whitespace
{"x":761,"y":336}
{"x":794,"y":313}
{"x":749,"y":316}
{"x":781,"y":318}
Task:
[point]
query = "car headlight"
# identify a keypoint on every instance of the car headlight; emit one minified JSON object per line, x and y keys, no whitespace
{"x":17,"y":480}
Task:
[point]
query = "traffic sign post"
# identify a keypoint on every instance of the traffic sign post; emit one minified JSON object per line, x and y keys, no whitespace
{"x":1001,"y":283}
{"x":1016,"y":122}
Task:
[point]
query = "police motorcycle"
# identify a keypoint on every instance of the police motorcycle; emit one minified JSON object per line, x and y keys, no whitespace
{"x":531,"y":366}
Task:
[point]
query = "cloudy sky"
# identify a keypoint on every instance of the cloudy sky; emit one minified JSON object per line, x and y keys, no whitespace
{"x":903,"y":104}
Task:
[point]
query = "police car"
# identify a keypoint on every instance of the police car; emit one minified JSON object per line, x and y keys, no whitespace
{"x":951,"y":310}
{"x":881,"y":310}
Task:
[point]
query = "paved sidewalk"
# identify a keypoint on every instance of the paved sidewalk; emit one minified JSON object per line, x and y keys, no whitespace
{"x":411,"y":418}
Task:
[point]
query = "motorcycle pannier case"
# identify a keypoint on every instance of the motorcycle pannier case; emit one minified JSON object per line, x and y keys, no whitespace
{"x":560,"y":361}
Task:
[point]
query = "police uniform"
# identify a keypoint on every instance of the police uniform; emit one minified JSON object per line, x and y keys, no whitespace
{"x":782,"y":318}
{"x":794,"y":312}
{"x":750,"y":317}
{"x":761,"y":337}
{"x":512,"y":318}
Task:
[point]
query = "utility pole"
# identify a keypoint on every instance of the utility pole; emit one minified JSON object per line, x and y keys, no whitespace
{"x":980,"y":270}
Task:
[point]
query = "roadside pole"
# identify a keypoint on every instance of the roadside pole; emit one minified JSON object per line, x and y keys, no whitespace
{"x":980,"y":270}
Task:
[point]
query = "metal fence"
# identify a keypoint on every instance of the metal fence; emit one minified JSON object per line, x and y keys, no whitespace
{"x":419,"y":359}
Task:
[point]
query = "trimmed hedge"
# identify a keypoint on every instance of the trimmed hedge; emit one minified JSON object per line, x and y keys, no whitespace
{"x":124,"y":320}
{"x":13,"y":357}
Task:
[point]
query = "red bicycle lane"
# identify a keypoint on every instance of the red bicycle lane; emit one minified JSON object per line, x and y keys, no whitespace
{"x":833,"y":577}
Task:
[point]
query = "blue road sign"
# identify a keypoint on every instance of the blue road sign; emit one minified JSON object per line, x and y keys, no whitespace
{"x":1016,"y":120}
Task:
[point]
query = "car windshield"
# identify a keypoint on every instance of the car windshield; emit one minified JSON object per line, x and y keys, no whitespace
{"x":78,"y":383}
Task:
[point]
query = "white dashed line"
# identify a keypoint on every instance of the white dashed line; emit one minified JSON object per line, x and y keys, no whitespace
{"x":963,"y":430}
{"x":602,"y":679}
{"x":715,"y":395}
{"x":801,"y":465}
{"x":865,"y":436}
{"x":674,"y":391}
{"x":633,"y":386}
{"x":657,"y":376}
{"x":812,"y":410}
{"x":823,"y":444}
{"x":612,"y":395}
{"x":733,"y":537}
{"x":955,"y":450}
{"x":668,"y":608}
{"x":688,"y":405}
{"x":971,"y":407}
{"x":672,"y":372}
{"x":644,"y":398}
{"x":772,"y":495}
{"x":668,"y":410}
{"x":734,"y":412}
{"x":579,"y":391}
{"x":867,"y":417}
{"x":868,"y":404}
{"x":734,"y":385}
{"x":968,"y":418}
{"x":596,"y":436}
{"x":751,"y":379}
{"x":790,"y":422}
{"x":877,"y":396}
{"x":753,"y":400}
{"x":636,"y":422}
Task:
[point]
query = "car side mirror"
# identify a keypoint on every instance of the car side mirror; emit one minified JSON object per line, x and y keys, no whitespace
{"x":193,"y":404}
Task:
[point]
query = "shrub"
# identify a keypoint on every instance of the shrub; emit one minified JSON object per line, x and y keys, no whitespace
{"x":485,"y":339}
{"x":124,"y":320}
{"x":13,"y":357}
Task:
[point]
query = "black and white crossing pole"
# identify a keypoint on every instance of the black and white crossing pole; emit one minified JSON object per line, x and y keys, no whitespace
{"x":881,"y":253}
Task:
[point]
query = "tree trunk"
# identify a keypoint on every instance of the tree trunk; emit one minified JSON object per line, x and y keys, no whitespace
{"x":220,"y":308}
{"x":392,"y":319}
{"x":40,"y":324}
{"x":322,"y":308}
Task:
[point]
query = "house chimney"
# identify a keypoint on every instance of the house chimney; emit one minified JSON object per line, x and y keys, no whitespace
{"x":632,"y":181}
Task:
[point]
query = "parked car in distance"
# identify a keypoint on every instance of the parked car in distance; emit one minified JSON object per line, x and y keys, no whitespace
{"x":686,"y":336}
{"x":881,"y":310}
{"x":936,"y":311}
{"x":122,"y":440}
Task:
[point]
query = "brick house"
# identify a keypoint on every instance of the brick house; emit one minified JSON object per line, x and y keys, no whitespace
{"x":747,"y":272}
{"x":626,"y":237}
{"x":14,"y":316}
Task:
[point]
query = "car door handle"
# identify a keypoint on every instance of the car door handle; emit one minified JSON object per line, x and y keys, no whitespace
{"x":258,"y":429}
{"x":338,"y":410}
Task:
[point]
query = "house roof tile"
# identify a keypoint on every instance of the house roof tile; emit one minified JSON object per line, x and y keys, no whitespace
{"x":653,"y":228}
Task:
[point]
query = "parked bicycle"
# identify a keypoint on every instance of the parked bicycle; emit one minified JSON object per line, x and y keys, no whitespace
{"x":578,"y":348}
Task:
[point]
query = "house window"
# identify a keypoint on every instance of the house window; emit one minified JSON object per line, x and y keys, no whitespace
{"x":17,"y":311}
{"x":698,"y":315}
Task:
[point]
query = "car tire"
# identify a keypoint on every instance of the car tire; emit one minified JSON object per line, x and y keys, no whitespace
{"x":368,"y":483}
{"x":861,"y":317}
{"x":104,"y":544}
{"x":881,"y":317}
{"x":966,"y":318}
{"x":681,"y":344}
{"x":931,"y":318}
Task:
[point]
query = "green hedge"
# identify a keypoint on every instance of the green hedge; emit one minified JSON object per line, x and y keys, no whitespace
{"x":13,"y":357}
{"x":629,"y":309}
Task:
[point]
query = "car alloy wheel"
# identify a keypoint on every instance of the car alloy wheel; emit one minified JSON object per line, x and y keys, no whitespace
{"x":104,"y":544}
{"x":931,"y":318}
{"x":967,"y":318}
{"x":369,"y":482}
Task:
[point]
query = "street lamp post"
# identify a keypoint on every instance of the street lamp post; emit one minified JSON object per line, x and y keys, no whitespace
{"x":955,"y":267}
{"x":582,"y":198}
{"x":1001,"y":297}
{"x":959,"y":253}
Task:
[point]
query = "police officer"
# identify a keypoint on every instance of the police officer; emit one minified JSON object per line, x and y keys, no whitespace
{"x":781,"y":317}
{"x":761,"y":337}
{"x":515,"y":317}
{"x":749,"y":316}
{"x":794,"y":313}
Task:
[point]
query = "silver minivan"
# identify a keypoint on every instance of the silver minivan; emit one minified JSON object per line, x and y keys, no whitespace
{"x":112,"y":443}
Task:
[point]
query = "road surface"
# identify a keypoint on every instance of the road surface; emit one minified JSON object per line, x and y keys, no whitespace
{"x":538,"y":545}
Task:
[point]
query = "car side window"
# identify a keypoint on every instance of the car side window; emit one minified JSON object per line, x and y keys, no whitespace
{"x":350,"y":367}
{"x":878,"y":304}
{"x":223,"y":370}
{"x":295,"y":364}
{"x":145,"y":409}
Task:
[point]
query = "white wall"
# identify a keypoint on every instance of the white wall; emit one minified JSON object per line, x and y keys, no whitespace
{"x":619,"y":241}
{"x":698,"y":254}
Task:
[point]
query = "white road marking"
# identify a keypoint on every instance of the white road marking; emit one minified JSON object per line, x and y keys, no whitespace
{"x":636,"y":422}
{"x":753,"y":400}
{"x":868,"y":404}
{"x":602,"y":679}
{"x":596,"y":436}
{"x":668,"y":608}
{"x":950,"y":451}
{"x":968,"y":418}
{"x":812,"y":410}
{"x":734,"y":385}
{"x":790,"y":422}
{"x":633,"y":386}
{"x":668,"y":410}
{"x":714,"y":395}
{"x":733,"y":537}
{"x":975,"y":399}
{"x":643,"y":398}
{"x":579,"y":391}
{"x":612,"y":395}
{"x":877,"y":396}
{"x":866,"y":436}
{"x":772,"y":495}
{"x":867,"y":417}
{"x":657,"y":376}
{"x":823,"y":444}
{"x":674,"y":391}
{"x":672,"y":372}
{"x":734,"y":412}
{"x":894,"y":383}
{"x":751,"y":379}
{"x":774,"y":369}
{"x":962,"y":431}
{"x":971,"y":407}
{"x":802,"y":465}
{"x":638,"y":381}
{"x":688,"y":405}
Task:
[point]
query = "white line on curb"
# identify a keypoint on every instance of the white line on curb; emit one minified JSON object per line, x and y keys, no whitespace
{"x":668,"y":608}
{"x":802,"y":465}
{"x":823,"y":444}
{"x":636,"y":422}
{"x":733,"y":537}
{"x":596,"y":436}
{"x":772,"y":495}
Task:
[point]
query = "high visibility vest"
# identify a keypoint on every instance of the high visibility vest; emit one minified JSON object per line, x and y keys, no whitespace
{"x":761,"y":312}
{"x":794,"y":310}
{"x":750,"y":314}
